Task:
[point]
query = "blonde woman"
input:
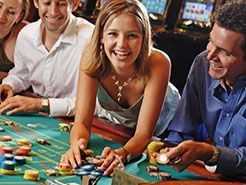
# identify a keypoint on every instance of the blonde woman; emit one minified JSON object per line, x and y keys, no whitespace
{"x":125,"y":76}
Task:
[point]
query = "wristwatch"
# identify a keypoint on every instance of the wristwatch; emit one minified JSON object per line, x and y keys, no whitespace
{"x":215,"y":157}
{"x":45,"y":105}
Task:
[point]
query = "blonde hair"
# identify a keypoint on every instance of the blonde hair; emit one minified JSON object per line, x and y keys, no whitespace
{"x":26,"y":8}
{"x":94,"y":59}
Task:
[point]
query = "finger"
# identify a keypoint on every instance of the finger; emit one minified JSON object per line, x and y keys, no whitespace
{"x":109,"y":159}
{"x":82,"y":144}
{"x":77,"y":156}
{"x":106,"y":151}
{"x":9,"y":94}
{"x":71,"y":158}
{"x":112,"y":166}
{"x":15,"y":110}
{"x":64,"y":158}
{"x":5,"y":107}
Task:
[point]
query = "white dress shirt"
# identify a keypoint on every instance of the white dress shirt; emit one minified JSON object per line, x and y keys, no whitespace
{"x":52,"y":74}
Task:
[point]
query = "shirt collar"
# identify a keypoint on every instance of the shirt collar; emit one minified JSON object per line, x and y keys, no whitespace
{"x":67,"y":36}
{"x":216,"y":83}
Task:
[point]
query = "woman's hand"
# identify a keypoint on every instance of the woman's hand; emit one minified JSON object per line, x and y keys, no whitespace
{"x":112,"y":161}
{"x":73,"y":155}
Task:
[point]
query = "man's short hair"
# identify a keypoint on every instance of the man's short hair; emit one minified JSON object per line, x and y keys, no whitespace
{"x":232,"y":16}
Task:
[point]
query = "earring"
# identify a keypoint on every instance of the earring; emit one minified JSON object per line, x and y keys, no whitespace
{"x":101,"y":46}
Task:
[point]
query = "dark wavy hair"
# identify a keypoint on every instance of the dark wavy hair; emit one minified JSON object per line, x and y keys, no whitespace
{"x":232,"y":16}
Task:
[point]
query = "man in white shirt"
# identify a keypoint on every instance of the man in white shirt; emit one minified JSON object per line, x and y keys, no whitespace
{"x":47,"y":58}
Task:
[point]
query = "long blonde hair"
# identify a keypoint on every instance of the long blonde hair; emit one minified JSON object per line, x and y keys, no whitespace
{"x":94,"y":59}
{"x":26,"y":8}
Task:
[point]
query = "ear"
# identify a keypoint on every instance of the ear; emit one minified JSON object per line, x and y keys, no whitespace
{"x":75,"y":4}
{"x":35,"y":3}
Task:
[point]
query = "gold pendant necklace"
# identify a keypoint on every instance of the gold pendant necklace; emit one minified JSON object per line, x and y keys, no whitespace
{"x":121,"y":86}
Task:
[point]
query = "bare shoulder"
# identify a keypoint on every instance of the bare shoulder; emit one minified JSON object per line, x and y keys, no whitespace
{"x":159,"y":59}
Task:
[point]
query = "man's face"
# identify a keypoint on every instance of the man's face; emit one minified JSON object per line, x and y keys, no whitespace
{"x":226,"y":57}
{"x":54,"y":14}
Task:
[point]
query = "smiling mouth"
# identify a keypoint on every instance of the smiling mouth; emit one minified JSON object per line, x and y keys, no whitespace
{"x":215,"y":66}
{"x":53,"y":19}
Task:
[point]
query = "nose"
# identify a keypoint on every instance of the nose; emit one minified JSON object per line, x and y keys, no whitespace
{"x":212,"y":51}
{"x":53,"y":9}
{"x":2,"y":13}
{"x":121,"y":41}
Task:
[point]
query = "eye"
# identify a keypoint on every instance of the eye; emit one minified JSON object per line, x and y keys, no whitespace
{"x":132,"y":36}
{"x":62,"y":3}
{"x":12,"y":12}
{"x":224,"y":52}
{"x":112,"y":33}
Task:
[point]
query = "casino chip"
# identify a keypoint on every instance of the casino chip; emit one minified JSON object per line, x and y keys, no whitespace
{"x":7,"y":149}
{"x":19,"y":159}
{"x":23,"y":142}
{"x":31,"y":175}
{"x":162,"y":158}
{"x":2,"y":129}
{"x":42,"y":141}
{"x":5,"y":138}
{"x":10,"y":123}
{"x":51,"y":172}
{"x":8,"y":167}
{"x":64,"y":169}
{"x":65,"y":127}
{"x":8,"y":156}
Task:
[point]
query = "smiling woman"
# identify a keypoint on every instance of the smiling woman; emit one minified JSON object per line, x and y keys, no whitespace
{"x":124,"y":77}
{"x":12,"y":14}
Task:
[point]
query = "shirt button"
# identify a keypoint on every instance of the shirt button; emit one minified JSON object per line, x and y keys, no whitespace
{"x":221,"y":138}
{"x":228,"y":115}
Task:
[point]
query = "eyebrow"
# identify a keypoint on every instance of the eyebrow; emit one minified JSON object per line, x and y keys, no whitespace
{"x":218,"y":46}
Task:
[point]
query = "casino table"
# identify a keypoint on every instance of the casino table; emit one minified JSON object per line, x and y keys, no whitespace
{"x":45,"y":157}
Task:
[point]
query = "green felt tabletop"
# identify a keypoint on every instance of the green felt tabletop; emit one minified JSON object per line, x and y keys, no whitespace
{"x":45,"y":157}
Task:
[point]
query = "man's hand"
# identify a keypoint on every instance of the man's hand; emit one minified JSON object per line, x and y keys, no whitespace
{"x":20,"y":104}
{"x":187,"y":152}
{"x":5,"y":92}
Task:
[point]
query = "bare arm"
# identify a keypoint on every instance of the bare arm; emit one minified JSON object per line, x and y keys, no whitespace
{"x":154,"y":95}
{"x":80,"y":133}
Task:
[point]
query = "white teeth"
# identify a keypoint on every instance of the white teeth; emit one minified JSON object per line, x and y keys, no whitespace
{"x":214,"y":65}
{"x":121,"y":53}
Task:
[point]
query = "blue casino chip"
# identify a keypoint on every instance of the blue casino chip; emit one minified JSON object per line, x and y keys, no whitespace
{"x":88,"y":167}
{"x":2,"y":129}
{"x":96,"y":173}
{"x":81,"y":172}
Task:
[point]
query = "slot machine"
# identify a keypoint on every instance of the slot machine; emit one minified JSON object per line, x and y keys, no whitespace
{"x":157,"y":10}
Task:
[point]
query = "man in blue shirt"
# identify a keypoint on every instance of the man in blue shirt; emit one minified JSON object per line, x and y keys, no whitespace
{"x":215,"y":94}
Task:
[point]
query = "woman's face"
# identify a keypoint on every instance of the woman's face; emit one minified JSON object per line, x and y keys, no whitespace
{"x":10,"y":13}
{"x":122,"y":40}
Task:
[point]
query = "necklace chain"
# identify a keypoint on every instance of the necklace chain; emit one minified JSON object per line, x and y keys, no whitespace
{"x":121,"y":86}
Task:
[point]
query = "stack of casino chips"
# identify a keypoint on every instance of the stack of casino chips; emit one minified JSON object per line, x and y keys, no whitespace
{"x":24,"y":147}
{"x":31,"y":175}
{"x":8,"y":162}
{"x":7,"y":167}
{"x":65,"y":169}
{"x":153,"y":146}
{"x":88,"y":169}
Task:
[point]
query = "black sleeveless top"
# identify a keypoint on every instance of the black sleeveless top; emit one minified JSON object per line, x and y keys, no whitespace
{"x":5,"y":63}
